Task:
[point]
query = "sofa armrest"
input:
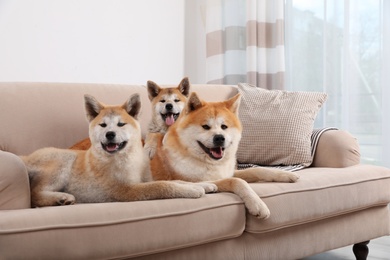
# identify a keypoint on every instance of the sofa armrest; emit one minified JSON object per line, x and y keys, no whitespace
{"x":14,"y":182}
{"x":337,"y":149}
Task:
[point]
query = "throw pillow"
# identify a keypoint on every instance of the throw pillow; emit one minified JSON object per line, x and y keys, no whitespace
{"x":277,"y":125}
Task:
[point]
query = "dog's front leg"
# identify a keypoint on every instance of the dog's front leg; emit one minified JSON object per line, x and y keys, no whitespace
{"x":209,"y":187}
{"x":251,"y":200}
{"x":151,"y":143}
{"x":261,"y":174}
{"x":156,"y":190}
{"x":51,"y":198}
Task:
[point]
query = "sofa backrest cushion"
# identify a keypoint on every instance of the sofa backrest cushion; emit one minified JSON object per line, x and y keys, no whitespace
{"x":37,"y":115}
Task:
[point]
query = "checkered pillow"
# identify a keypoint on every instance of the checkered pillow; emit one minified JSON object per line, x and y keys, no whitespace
{"x":277,"y":125}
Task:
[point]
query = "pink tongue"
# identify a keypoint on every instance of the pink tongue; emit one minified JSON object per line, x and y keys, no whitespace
{"x":111,"y":147}
{"x":217,"y":152}
{"x":169,"y":120}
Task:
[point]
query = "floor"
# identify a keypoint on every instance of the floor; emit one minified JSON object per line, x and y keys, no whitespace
{"x":379,"y":250}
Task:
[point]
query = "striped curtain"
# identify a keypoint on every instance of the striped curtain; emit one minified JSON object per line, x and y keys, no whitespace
{"x":245,"y":42}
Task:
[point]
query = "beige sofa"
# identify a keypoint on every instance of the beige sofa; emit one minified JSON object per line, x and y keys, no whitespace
{"x":337,"y":201}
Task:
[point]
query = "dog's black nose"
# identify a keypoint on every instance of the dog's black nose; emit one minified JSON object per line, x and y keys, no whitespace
{"x":168,"y":106}
{"x":219,"y":140}
{"x":110,"y":135}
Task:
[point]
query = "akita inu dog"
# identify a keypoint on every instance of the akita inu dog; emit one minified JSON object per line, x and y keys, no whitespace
{"x":202,"y":145}
{"x":167,"y":104}
{"x":112,"y":169}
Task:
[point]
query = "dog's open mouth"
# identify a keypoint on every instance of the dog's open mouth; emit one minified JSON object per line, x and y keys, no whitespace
{"x":113,"y":147}
{"x":170,"y":118}
{"x":216,"y":152}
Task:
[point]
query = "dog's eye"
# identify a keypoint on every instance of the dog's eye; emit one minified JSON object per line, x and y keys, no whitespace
{"x":103,"y":125}
{"x":177,"y":100}
{"x":162,"y":100}
{"x":121,"y":124}
{"x":224,"y":127}
{"x":206,"y":127}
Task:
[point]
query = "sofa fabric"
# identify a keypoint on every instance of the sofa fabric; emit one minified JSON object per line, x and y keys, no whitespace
{"x":54,"y":114}
{"x":336,"y":191}
{"x":116,"y":230}
{"x":336,"y":149}
{"x":290,"y":243}
{"x":336,"y":202}
{"x":14,"y":183}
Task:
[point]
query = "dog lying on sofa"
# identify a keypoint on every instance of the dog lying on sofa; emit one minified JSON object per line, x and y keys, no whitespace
{"x":112,"y":169}
{"x":202,"y":146}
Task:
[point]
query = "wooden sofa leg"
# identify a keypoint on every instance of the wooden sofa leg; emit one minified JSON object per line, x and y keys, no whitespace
{"x":361,"y":250}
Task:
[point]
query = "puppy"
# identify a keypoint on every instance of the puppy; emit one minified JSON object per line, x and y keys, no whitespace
{"x":202,"y":146}
{"x":114,"y":168}
{"x":167,"y":104}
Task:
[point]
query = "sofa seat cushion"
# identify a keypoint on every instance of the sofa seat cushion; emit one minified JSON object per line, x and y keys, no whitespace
{"x":321,"y":193}
{"x":119,"y":230}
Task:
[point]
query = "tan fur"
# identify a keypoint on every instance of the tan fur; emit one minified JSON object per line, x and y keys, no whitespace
{"x":214,"y":125}
{"x":84,"y":144}
{"x":114,"y":168}
{"x":161,"y":99}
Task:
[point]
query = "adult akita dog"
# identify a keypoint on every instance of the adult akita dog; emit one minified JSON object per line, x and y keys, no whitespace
{"x":202,"y":145}
{"x":114,"y":168}
{"x":167,"y":104}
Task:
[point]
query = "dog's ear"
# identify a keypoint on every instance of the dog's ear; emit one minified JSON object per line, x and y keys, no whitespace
{"x":184,"y":86}
{"x":153,"y":89}
{"x":234,"y":103}
{"x":92,"y":107}
{"x":193,"y":103}
{"x":133,"y":106}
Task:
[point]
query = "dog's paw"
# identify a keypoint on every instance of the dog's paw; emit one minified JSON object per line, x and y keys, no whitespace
{"x":264,"y":213}
{"x":150,"y":150}
{"x":208,"y":187}
{"x":258,"y":209}
{"x":256,"y":206}
{"x":152,"y":142}
{"x":66,"y":199}
{"x":286,"y":177}
{"x":194,"y":191}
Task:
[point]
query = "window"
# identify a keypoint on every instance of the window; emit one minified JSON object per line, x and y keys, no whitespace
{"x":339,"y":47}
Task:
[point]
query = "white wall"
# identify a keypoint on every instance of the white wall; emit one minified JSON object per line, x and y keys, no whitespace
{"x":103,"y":41}
{"x":195,"y":41}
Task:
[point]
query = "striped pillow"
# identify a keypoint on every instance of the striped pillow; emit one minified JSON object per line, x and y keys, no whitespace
{"x":277,"y":125}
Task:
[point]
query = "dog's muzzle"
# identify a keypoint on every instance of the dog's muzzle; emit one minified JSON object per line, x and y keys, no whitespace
{"x":110,"y":146}
{"x":113,"y":147}
{"x":170,"y":118}
{"x":215,"y":153}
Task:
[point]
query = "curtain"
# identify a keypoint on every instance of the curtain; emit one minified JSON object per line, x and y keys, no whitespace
{"x":245,"y":42}
{"x":342,"y":48}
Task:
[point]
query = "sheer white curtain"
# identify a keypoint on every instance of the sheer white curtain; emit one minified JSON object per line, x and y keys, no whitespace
{"x":342,"y":48}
